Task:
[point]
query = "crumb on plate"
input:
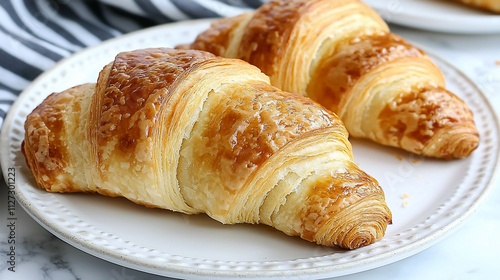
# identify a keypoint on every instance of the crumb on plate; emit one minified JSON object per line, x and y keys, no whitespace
{"x":406,"y":199}
{"x":398,"y":156}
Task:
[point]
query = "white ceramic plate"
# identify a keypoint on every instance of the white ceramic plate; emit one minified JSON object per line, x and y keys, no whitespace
{"x":429,"y":198}
{"x":437,"y":15}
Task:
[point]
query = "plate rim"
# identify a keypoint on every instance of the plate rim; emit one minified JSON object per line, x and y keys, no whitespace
{"x":489,"y":23}
{"x":352,"y":267}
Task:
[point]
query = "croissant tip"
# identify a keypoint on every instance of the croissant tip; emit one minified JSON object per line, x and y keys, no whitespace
{"x":462,"y":149}
{"x":453,"y":143}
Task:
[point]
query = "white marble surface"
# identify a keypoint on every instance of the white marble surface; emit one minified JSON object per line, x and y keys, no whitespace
{"x":471,"y":252}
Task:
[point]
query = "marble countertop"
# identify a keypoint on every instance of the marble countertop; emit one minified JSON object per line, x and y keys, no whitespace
{"x":471,"y":252}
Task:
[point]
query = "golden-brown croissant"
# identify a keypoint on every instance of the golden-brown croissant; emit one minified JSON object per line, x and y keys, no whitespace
{"x":342,"y":55}
{"x":195,"y":133}
{"x":489,"y":5}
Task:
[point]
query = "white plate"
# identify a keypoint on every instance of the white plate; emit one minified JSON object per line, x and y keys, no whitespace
{"x":437,"y":15}
{"x":441,"y":195}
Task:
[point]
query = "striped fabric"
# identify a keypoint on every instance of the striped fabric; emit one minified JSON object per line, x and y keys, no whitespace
{"x":35,"y":34}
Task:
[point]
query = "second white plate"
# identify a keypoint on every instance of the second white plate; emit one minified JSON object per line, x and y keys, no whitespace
{"x":437,"y":15}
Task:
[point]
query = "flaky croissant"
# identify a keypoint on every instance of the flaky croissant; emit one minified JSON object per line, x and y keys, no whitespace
{"x":489,"y":5}
{"x":195,"y":133}
{"x":342,"y":55}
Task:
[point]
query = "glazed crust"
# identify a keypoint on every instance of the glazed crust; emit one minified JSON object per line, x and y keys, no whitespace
{"x":195,"y":133}
{"x":342,"y":55}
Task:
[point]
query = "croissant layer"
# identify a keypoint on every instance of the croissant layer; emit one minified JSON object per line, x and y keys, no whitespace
{"x":195,"y":133}
{"x":343,"y":55}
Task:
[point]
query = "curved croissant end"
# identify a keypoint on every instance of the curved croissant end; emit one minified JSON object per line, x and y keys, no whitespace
{"x":342,"y":55}
{"x":195,"y":133}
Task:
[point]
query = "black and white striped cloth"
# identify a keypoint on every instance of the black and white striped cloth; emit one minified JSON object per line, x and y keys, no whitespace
{"x":35,"y":34}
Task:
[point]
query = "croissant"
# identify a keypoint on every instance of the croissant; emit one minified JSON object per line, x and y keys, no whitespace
{"x":342,"y":55}
{"x":195,"y":133}
{"x":489,"y":5}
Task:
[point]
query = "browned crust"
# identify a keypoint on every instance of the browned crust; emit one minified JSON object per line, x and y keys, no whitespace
{"x":253,"y":124}
{"x":43,"y":147}
{"x":216,"y":39}
{"x":135,"y":77}
{"x":331,"y":195}
{"x":130,"y":93}
{"x":421,"y":114}
{"x":267,"y":33}
{"x":337,"y":74}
